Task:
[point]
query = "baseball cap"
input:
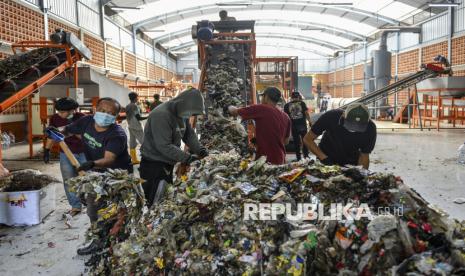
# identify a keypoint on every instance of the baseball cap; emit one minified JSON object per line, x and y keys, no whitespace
{"x":273,"y":93}
{"x":356,"y":117}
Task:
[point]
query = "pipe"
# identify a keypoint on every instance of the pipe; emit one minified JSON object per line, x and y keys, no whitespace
{"x":384,"y":34}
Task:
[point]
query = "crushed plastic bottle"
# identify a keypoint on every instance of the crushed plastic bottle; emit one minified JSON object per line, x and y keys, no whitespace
{"x":461,"y":158}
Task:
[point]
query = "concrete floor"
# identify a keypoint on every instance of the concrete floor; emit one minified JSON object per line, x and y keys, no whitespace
{"x":425,"y":160}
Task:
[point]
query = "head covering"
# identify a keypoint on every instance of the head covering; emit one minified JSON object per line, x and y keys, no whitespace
{"x":188,"y":103}
{"x":273,"y":94}
{"x":66,"y":104}
{"x":295,"y":95}
{"x":356,"y":117}
{"x":133,"y":96}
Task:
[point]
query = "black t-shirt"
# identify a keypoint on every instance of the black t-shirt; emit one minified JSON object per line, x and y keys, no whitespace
{"x":339,"y":144}
{"x":113,"y":139}
{"x":296,"y":111}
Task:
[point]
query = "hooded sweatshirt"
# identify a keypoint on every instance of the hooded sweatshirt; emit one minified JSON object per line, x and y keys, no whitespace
{"x":168,"y":124}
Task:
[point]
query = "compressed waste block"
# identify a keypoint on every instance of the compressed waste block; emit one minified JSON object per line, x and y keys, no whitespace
{"x":26,"y":197}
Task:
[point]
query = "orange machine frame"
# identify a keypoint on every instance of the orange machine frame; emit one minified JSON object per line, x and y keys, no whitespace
{"x":71,"y":60}
{"x":203,"y":58}
{"x":286,"y":61}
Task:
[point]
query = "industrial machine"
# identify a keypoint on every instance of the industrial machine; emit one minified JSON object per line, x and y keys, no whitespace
{"x":34,"y":64}
{"x":212,"y":45}
{"x":428,"y":71}
{"x":281,"y":72}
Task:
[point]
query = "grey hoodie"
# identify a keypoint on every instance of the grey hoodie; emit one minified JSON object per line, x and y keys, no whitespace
{"x":167,"y":125}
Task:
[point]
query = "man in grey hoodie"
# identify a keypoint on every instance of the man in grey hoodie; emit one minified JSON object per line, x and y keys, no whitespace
{"x":166,"y":126}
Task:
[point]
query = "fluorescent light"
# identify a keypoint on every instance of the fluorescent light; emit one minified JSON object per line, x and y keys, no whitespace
{"x":120,"y":8}
{"x":312,"y":29}
{"x":342,"y":50}
{"x":233,"y":5}
{"x":390,"y":29}
{"x":444,"y":4}
{"x":336,"y":4}
{"x":155,"y":31}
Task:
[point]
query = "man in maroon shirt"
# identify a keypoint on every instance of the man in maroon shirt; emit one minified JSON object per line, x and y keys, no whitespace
{"x":272,"y":126}
{"x":66,"y":114}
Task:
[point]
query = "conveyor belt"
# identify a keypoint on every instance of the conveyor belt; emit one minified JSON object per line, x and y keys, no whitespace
{"x":38,"y":67}
{"x":429,"y":71}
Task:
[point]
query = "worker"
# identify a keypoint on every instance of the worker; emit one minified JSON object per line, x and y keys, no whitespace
{"x":348,"y":136}
{"x":272,"y":126}
{"x":136,"y":132}
{"x":156,"y":102}
{"x":105,"y":146}
{"x":224,"y":16}
{"x":3,"y":171}
{"x":166,"y":126}
{"x":297,"y":110}
{"x":67,"y":114}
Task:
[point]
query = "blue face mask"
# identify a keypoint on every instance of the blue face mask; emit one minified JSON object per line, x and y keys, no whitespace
{"x":103,"y":119}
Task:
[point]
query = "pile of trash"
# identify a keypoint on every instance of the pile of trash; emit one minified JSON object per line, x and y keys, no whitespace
{"x":233,"y":216}
{"x":25,"y":180}
{"x":225,"y":84}
{"x":121,"y":198}
{"x":201,"y":227}
{"x":222,"y":134}
{"x":16,"y":64}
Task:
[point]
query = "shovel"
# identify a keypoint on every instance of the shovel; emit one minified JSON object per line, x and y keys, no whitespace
{"x":60,"y":139}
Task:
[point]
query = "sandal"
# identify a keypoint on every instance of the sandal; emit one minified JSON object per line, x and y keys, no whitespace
{"x":74,"y":212}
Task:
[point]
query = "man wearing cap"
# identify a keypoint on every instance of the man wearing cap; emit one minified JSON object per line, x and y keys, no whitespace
{"x":67,"y":114}
{"x":272,"y":126}
{"x":297,"y":110}
{"x":348,"y":136}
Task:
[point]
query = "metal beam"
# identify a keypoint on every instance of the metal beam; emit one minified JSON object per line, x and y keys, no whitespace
{"x":325,"y":55}
{"x":256,"y":5}
{"x":326,"y":44}
{"x":293,"y":24}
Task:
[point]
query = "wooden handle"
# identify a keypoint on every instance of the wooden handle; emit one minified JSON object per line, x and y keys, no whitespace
{"x":70,"y":156}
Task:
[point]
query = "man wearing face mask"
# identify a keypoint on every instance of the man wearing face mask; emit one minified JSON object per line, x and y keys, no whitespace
{"x":348,"y":136}
{"x":166,"y":126}
{"x":66,"y":114}
{"x":105,"y":147}
{"x":105,"y":142}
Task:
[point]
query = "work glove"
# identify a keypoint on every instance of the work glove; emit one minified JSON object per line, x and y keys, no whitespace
{"x":52,"y":128}
{"x":89,"y":165}
{"x":191,"y":159}
{"x":203,"y":153}
{"x":327,"y":162}
{"x":46,"y":156}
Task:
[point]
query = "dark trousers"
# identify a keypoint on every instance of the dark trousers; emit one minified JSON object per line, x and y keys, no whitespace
{"x":153,"y":172}
{"x":298,"y":134}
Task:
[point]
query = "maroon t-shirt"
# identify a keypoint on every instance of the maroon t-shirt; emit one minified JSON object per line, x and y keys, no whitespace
{"x":73,"y":142}
{"x":272,"y":127}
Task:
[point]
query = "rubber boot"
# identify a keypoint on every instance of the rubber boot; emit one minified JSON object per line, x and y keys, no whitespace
{"x":133,"y":154}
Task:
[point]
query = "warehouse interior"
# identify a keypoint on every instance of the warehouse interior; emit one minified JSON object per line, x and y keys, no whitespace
{"x":176,"y":203}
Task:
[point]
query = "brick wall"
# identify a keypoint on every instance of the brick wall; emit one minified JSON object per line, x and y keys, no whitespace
{"x":114,"y":58}
{"x":458,"y":53}
{"x":130,"y":63}
{"x":358,"y":72}
{"x":141,"y":67}
{"x":19,"y":23}
{"x":428,"y":53}
{"x":96,"y":46}
{"x":408,"y":62}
